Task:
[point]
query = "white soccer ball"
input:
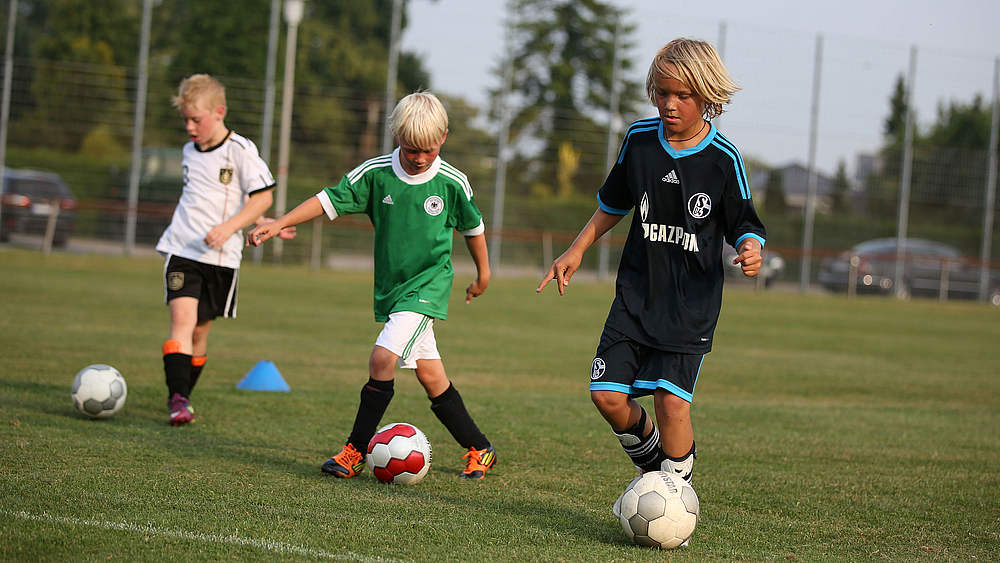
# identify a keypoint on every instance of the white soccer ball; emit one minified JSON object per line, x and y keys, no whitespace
{"x":99,"y":391}
{"x":659,"y":509}
{"x":399,"y":453}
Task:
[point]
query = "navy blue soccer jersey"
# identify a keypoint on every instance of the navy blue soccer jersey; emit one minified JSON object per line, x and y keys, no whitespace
{"x":669,"y":289}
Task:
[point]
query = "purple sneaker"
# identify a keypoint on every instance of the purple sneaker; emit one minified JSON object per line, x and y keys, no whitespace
{"x":181,"y":411}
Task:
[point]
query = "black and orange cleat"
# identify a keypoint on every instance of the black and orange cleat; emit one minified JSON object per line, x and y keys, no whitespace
{"x":478,"y":462}
{"x":346,"y":464}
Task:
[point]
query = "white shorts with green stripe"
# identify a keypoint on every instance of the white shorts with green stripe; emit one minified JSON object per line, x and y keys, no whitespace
{"x":410,"y":336}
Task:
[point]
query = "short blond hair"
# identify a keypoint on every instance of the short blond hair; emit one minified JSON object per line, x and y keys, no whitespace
{"x":201,"y":91}
{"x":699,"y":67}
{"x":419,"y":120}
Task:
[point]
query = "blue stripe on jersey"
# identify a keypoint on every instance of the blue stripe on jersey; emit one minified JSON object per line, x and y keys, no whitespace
{"x":641,"y":125}
{"x":377,"y":162}
{"x":674,"y":153}
{"x":749,"y":235}
{"x":727,"y":147}
{"x":612,"y":210}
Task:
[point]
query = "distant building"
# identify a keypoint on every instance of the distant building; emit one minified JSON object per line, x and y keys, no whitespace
{"x":795,"y":180}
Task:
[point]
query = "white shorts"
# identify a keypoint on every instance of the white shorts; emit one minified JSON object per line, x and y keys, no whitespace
{"x":410,"y":336}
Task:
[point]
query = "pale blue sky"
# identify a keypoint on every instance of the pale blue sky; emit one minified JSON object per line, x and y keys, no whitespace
{"x":769,"y":48}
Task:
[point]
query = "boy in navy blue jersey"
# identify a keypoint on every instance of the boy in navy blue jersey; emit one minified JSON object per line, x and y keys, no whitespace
{"x":689,"y":190}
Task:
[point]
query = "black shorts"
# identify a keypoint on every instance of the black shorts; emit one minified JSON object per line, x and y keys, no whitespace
{"x":213,"y":286}
{"x":625,"y":366}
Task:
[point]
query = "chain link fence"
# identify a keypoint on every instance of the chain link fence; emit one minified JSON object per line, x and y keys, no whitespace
{"x":76,"y":120}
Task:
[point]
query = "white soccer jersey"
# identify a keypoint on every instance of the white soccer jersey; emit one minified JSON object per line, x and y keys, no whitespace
{"x":216,"y":183}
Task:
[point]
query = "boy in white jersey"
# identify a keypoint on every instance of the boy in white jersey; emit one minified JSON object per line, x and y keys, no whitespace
{"x":227,"y":186}
{"x":414,"y":200}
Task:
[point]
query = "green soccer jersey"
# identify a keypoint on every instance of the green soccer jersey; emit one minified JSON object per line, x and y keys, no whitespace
{"x":413,"y":218}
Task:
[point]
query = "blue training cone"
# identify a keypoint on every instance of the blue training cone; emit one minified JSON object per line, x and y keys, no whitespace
{"x":263,"y":377}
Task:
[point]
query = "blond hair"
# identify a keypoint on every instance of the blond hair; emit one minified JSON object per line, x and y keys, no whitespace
{"x":419,"y":120}
{"x":200,"y":91}
{"x":697,"y":64}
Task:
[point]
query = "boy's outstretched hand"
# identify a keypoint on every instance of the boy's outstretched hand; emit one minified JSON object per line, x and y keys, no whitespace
{"x":262,"y":233}
{"x":561,"y":271}
{"x":748,"y":257}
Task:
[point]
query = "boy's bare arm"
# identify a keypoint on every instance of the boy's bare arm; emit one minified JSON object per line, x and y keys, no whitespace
{"x":305,"y":211}
{"x":480,"y":255}
{"x":566,"y":265}
{"x":255,"y":206}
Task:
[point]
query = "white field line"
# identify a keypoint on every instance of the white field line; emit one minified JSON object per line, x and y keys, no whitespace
{"x":149,"y":529}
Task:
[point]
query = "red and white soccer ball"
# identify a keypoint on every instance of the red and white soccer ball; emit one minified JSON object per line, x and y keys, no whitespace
{"x":399,"y":453}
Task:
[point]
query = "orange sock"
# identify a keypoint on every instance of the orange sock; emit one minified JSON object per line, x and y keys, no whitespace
{"x":171,"y":347}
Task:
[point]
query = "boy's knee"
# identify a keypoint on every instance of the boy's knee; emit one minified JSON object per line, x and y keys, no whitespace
{"x":609,"y":402}
{"x":381,"y":363}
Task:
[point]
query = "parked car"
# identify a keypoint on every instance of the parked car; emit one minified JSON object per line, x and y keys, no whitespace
{"x":930,"y":268}
{"x":29,"y":197}
{"x":771,"y":270}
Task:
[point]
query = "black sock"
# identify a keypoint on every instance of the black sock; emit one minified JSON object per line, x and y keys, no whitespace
{"x":177,"y":368}
{"x":644,"y":451}
{"x":375,"y":397}
{"x":196,"y":371}
{"x":451,"y":411}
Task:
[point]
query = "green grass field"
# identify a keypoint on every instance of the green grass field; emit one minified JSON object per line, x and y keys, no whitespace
{"x":828,"y":430}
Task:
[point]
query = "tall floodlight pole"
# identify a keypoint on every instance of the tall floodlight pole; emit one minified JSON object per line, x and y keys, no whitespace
{"x":986,"y":248}
{"x":810,"y":207}
{"x":293,"y":16}
{"x":267,"y":120}
{"x":8,"y":71}
{"x":390,"y":77}
{"x":500,"y":183}
{"x":905,"y":177}
{"x":604,"y":252}
{"x":138,"y":125}
{"x":721,"y":49}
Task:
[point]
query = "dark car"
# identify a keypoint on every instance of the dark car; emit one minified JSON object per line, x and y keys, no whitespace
{"x":930,"y":269}
{"x":29,"y":197}
{"x":771,"y":270}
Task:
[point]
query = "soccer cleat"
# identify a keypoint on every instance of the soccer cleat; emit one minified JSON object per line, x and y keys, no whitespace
{"x":181,"y":411}
{"x":348,"y":463}
{"x":478,"y":462}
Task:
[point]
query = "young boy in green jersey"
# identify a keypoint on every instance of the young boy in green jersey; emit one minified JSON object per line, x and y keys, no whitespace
{"x":414,"y":200}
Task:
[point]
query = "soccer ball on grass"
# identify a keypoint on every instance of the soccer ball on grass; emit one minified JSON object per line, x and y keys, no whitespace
{"x":658,"y":509}
{"x":399,"y":453}
{"x":99,"y":391}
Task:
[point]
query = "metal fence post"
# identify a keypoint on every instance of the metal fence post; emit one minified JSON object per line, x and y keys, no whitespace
{"x":810,"y":207}
{"x":905,"y":177}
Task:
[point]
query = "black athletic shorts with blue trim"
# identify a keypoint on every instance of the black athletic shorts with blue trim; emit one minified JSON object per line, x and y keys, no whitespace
{"x":623,"y":365}
{"x":215,"y":287}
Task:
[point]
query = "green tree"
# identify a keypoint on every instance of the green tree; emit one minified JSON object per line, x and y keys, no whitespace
{"x":562,"y":84}
{"x":775,"y":202}
{"x":77,"y":78}
{"x":841,"y":187}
